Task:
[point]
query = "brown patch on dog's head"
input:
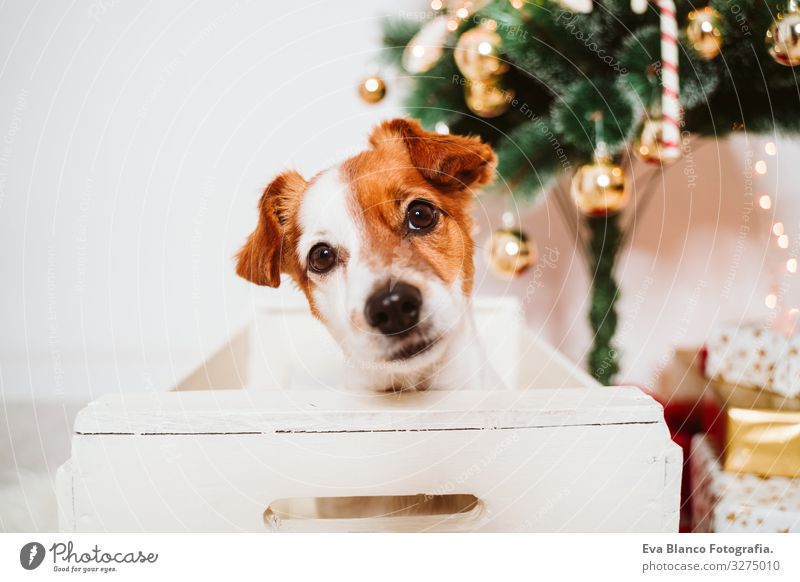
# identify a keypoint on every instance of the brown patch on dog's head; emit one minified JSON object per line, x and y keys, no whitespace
{"x":408,"y":163}
{"x":451,"y":163}
{"x":267,"y":251}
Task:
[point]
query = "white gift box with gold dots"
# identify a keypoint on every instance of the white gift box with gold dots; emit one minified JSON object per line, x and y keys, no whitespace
{"x":731,"y":502}
{"x":750,"y":355}
{"x":742,"y":354}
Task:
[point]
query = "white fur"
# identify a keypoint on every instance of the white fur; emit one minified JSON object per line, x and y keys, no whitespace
{"x":325,"y":216}
{"x":328,"y":213}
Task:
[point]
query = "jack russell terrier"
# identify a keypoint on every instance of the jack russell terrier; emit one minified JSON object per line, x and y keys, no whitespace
{"x":381,"y":247}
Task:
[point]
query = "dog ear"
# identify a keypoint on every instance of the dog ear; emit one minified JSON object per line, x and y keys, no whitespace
{"x":449,"y":162}
{"x":260,"y":260}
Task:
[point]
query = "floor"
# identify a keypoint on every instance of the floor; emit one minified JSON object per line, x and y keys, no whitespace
{"x":34,"y":442}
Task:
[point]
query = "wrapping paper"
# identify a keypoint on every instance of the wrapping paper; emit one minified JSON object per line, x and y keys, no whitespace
{"x":757,"y":431}
{"x":786,"y":376}
{"x":682,"y":378}
{"x":733,"y":396}
{"x":763,"y":442}
{"x":729,"y":502}
{"x":745,"y":355}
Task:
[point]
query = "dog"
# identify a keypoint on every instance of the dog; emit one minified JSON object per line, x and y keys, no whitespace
{"x":381,"y":246}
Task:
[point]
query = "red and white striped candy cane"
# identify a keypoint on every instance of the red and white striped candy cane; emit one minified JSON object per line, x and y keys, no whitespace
{"x":670,"y":82}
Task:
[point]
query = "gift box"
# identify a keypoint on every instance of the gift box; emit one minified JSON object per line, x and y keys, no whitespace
{"x":679,"y":388}
{"x":752,"y":409}
{"x":682,"y":379}
{"x":763,"y":442}
{"x":757,"y":431}
{"x":729,"y":502}
{"x":751,"y":356}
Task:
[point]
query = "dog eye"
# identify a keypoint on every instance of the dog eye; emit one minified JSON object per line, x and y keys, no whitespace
{"x":321,"y":258}
{"x":421,"y":216}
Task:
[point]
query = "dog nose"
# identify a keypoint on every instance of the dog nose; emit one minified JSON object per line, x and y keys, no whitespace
{"x":395,"y":309}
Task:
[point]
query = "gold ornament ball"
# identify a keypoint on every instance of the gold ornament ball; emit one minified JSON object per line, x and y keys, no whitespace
{"x":372,"y":89}
{"x":477,"y":54}
{"x":511,"y":253}
{"x":599,"y":188}
{"x":487,"y":99}
{"x":704,"y":32}
{"x":649,"y":147}
{"x":783,"y":39}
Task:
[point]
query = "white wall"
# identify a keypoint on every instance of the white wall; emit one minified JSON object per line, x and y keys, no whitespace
{"x":135,"y":139}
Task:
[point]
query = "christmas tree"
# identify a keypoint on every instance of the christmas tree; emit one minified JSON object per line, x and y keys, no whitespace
{"x":584,"y":88}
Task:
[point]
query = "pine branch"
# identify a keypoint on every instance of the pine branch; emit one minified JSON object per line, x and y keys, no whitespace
{"x":605,"y":237}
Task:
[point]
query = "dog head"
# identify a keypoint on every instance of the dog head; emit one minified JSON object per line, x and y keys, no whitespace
{"x":380,"y":245}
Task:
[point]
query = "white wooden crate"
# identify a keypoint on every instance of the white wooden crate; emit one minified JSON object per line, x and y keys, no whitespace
{"x":567,"y":456}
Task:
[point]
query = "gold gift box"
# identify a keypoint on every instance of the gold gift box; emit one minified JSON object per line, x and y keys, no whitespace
{"x":762,"y":433}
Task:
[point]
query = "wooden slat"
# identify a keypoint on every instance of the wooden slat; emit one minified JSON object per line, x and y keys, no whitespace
{"x":248,"y":412}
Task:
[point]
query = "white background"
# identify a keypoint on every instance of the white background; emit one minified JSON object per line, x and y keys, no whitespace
{"x":135,"y":138}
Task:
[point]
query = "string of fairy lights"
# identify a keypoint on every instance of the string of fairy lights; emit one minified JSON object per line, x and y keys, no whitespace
{"x":779,"y":237}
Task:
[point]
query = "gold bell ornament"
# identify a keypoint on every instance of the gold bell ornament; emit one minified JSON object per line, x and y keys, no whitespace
{"x":477,"y":53}
{"x":487,"y":99}
{"x":783,"y":37}
{"x":372,"y":89}
{"x":511,"y":253}
{"x":599,"y":188}
{"x":704,"y":32}
{"x":649,"y":146}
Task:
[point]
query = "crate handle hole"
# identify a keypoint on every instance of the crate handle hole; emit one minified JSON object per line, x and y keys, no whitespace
{"x":370,"y":507}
